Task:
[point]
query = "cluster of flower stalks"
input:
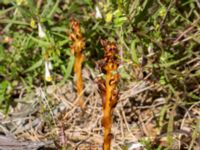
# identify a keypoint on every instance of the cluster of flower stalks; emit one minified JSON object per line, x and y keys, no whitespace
{"x":77,"y":47}
{"x":108,"y":87}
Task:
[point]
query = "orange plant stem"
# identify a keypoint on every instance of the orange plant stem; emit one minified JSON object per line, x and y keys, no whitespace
{"x":107,"y":119}
{"x":79,"y":80}
{"x":77,"y":49}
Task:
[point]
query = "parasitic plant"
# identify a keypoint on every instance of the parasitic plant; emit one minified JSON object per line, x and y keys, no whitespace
{"x":108,"y":87}
{"x":77,"y":47}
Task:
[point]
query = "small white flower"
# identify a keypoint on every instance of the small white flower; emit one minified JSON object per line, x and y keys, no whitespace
{"x":50,"y":65}
{"x":41,"y":32}
{"x":48,"y":76}
{"x":98,"y":13}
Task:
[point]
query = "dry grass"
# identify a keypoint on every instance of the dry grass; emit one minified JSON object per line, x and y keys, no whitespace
{"x":140,"y":114}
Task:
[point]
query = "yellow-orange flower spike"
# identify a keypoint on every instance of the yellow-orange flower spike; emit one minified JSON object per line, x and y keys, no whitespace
{"x":108,"y":88}
{"x":78,"y":44}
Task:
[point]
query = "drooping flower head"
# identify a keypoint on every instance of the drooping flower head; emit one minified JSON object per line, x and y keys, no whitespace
{"x":41,"y":32}
{"x":48,"y":67}
{"x":98,"y":14}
